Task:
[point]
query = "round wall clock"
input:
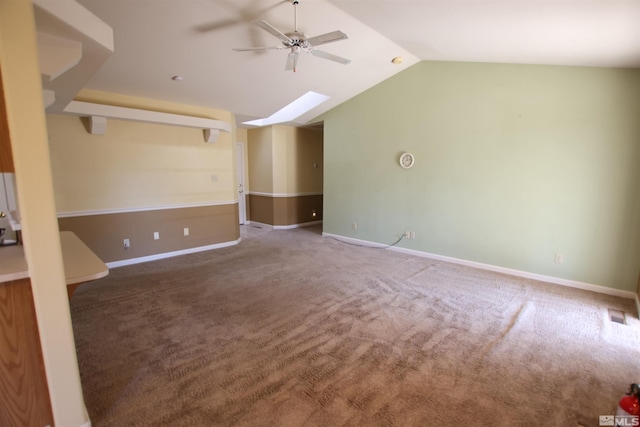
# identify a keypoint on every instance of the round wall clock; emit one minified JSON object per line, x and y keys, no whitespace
{"x":406,"y":160}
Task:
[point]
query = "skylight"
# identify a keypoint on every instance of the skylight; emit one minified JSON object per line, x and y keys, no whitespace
{"x":305,"y":103}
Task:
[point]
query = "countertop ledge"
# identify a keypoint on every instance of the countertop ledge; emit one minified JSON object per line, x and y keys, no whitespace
{"x":13,"y":265}
{"x":80,"y":263}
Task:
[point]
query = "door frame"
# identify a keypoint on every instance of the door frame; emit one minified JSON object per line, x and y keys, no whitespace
{"x":240,"y":168}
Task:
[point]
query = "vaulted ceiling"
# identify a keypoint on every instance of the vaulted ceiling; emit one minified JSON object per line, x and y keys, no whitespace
{"x":155,"y":40}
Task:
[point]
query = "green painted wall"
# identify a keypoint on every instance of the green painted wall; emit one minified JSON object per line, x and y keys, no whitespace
{"x":514,"y":163}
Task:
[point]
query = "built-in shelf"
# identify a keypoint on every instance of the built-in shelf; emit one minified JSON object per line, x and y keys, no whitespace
{"x":72,"y":45}
{"x":100,"y":112}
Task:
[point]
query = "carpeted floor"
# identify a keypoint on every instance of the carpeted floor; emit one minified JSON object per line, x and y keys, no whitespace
{"x":292,"y":329}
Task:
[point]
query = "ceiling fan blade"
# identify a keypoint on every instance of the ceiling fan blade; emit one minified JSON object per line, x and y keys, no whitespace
{"x":331,"y":37}
{"x":274,"y":31}
{"x":242,"y":14}
{"x":249,"y":49}
{"x":330,"y":56}
{"x":292,"y":61}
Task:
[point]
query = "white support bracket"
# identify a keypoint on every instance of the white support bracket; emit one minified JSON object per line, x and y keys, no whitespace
{"x":97,"y":125}
{"x":211,"y":135}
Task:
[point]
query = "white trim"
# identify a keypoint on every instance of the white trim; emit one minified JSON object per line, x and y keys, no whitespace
{"x":240,"y":175}
{"x":519,"y":273}
{"x":86,"y":414}
{"x":354,"y":241}
{"x":142,"y":209}
{"x":285,"y":227}
{"x":156,"y":257}
{"x":258,"y":193}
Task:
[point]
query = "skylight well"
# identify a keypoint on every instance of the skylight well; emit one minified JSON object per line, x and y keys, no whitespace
{"x":305,"y":103}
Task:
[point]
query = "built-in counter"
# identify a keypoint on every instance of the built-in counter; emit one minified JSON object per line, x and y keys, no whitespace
{"x":13,"y":265}
{"x":81,"y":265}
{"x":23,"y":381}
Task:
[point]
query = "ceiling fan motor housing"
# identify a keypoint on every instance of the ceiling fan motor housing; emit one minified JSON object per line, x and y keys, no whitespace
{"x":297,"y":39}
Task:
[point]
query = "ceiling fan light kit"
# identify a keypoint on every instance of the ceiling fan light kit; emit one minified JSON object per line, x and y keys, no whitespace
{"x":297,"y":42}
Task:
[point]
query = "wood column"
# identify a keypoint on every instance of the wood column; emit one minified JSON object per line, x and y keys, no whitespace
{"x":6,"y":156}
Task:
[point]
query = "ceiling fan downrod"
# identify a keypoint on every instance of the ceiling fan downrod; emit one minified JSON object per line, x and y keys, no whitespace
{"x":295,"y":14}
{"x":298,"y":42}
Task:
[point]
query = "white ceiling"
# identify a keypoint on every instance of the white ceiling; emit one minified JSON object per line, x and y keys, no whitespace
{"x":157,"y":39}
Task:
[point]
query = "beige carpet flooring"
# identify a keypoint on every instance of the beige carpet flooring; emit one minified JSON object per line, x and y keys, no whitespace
{"x":292,"y":329}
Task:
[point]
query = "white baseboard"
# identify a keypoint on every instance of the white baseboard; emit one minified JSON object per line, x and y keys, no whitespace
{"x":519,"y":273}
{"x":285,"y":227}
{"x":88,"y":422}
{"x":156,"y":257}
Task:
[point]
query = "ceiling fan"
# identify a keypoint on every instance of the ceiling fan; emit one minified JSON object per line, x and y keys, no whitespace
{"x":298,"y":42}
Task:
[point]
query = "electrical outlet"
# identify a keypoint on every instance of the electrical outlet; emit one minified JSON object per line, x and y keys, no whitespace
{"x":156,"y":235}
{"x":558,"y":258}
{"x":127,"y":244}
{"x":354,"y":225}
{"x":412,"y":235}
{"x":185,"y":231}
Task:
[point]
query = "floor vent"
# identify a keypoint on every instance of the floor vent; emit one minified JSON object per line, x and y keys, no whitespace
{"x":617,"y":316}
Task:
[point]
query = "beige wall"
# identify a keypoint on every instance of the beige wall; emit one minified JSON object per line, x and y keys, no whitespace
{"x":295,"y":151}
{"x":291,"y":161}
{"x":140,"y":178}
{"x":27,"y":127}
{"x":289,"y":158}
{"x":104,"y":234}
{"x":283,"y":143}
{"x":307,"y":162}
{"x":138,"y":165}
{"x":121,"y":100}
{"x":260,"y":154}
